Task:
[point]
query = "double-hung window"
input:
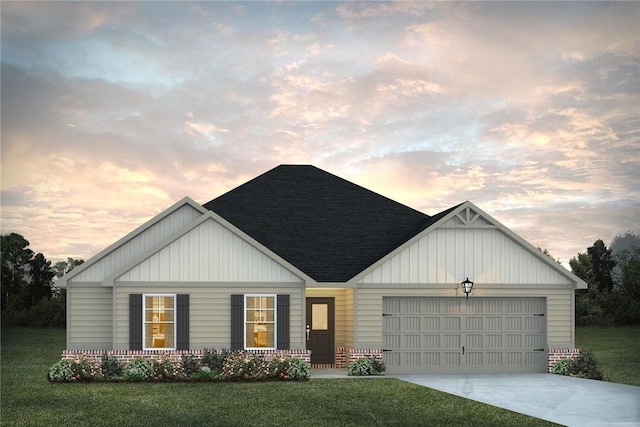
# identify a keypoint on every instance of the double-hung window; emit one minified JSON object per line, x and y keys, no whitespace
{"x":260,"y":321}
{"x":159,"y":322}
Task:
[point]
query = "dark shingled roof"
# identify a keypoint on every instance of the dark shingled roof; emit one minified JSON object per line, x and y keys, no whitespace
{"x":328,"y":227}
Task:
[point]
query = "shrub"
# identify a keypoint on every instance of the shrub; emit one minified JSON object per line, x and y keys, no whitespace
{"x":361,"y":367}
{"x":238,"y":367}
{"x":45,"y":314}
{"x":166,"y":369}
{"x":138,"y":370}
{"x":214,"y":360}
{"x":191,"y":365}
{"x":110,"y":367}
{"x":583,"y":366}
{"x":298,"y":369}
{"x":204,"y":373}
{"x":367,"y":366}
{"x":562,"y":367}
{"x":61,"y":371}
{"x":378,"y":365}
{"x":80,"y":369}
{"x":586,"y":366}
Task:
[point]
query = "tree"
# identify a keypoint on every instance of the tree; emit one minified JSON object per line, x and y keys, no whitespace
{"x":63,"y":267}
{"x":41,"y":280}
{"x":613,"y":296}
{"x":629,"y":286}
{"x":15,"y":259}
{"x":602,"y":264}
{"x":546,"y":252}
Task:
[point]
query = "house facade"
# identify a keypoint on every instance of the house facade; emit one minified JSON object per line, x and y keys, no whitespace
{"x":301,"y":260}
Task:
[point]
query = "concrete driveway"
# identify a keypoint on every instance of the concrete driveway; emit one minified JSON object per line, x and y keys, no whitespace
{"x":563,"y":400}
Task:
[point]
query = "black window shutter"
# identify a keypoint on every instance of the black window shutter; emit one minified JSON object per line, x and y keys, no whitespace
{"x":135,"y":321}
{"x":182,"y":317}
{"x":283,"y":322}
{"x":237,"y":322}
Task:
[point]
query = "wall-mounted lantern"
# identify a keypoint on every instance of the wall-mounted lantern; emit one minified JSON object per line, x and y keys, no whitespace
{"x":467,"y":285}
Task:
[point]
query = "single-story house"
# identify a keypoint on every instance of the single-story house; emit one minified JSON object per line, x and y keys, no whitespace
{"x":301,"y":260}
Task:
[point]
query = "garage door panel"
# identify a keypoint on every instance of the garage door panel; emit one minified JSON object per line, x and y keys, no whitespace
{"x":498,"y":334}
{"x":413,"y":323}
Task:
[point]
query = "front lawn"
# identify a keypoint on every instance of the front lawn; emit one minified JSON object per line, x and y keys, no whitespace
{"x":28,"y":399}
{"x":616,"y":349}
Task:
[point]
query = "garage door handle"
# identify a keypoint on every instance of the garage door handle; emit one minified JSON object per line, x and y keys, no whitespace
{"x":462,"y":349}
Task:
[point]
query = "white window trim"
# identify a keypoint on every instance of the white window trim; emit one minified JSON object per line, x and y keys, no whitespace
{"x":144,"y":323}
{"x":275,"y":321}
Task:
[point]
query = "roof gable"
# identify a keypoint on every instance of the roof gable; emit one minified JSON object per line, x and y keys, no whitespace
{"x":187,"y":257}
{"x":135,"y":243}
{"x":485,"y":250}
{"x":328,"y":227}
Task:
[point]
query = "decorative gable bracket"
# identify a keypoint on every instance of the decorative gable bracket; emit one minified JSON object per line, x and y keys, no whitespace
{"x":468,"y":217}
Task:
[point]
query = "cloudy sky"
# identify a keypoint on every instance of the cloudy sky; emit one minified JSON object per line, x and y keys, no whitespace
{"x":113,"y":111}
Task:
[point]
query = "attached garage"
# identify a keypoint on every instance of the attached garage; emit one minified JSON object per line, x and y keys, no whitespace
{"x":455,"y":335}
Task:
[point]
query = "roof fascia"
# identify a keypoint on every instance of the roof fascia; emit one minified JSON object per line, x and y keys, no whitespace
{"x":208,"y":215}
{"x":578,"y":283}
{"x":62,"y":282}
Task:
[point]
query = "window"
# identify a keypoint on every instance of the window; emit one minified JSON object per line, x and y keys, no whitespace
{"x":260,"y":321}
{"x":159,"y":322}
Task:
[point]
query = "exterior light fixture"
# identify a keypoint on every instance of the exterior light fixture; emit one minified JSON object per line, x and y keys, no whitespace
{"x":467,"y":285}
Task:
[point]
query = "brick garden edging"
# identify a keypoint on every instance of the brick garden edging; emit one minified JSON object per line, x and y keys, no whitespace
{"x":556,"y":354}
{"x":126,"y":356}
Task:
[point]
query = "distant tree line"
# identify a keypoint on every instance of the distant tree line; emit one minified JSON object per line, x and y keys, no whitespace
{"x":28,"y":296}
{"x":613,"y":276}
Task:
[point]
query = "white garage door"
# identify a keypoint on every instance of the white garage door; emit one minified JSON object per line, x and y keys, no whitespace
{"x":454,"y":335}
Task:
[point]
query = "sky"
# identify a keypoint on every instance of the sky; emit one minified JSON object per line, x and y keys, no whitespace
{"x":114,"y":111}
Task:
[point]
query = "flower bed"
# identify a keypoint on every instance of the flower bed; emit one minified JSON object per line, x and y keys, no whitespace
{"x":212,"y":366}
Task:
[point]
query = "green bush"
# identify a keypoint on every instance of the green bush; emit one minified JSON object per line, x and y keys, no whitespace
{"x":236,"y":367}
{"x":361,"y":367}
{"x":203,"y":373}
{"x":366,"y":366}
{"x":111,"y":367}
{"x":167,"y":369}
{"x":214,"y":360}
{"x":239,"y":367}
{"x":45,"y":314}
{"x":583,"y":366}
{"x":191,"y":365}
{"x":298,"y":369}
{"x":138,"y":370}
{"x":562,"y":367}
{"x":80,"y":369}
{"x":61,"y":371}
{"x":586,"y":366}
{"x":378,"y":365}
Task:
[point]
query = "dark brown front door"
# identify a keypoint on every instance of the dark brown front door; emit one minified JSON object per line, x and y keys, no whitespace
{"x":320,"y":330}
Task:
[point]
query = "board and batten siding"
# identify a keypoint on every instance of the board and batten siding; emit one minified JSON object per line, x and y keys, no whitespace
{"x":209,"y":253}
{"x":449,"y":255}
{"x":89,"y":317}
{"x":368,"y":322}
{"x":138,"y":245}
{"x":209,"y":310}
{"x":343,"y":312}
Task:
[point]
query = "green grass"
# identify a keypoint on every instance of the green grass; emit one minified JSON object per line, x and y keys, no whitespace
{"x":28,"y":399}
{"x":617,"y":351}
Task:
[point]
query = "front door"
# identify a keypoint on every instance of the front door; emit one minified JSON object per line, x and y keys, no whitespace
{"x":320,"y":330}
